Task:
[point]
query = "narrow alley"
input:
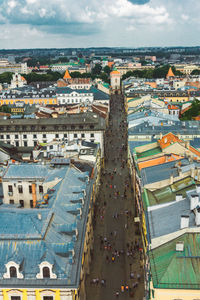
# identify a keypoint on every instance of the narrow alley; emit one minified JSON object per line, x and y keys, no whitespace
{"x":116,"y":270}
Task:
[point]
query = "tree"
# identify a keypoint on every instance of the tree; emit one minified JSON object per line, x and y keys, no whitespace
{"x":107,"y":70}
{"x":195,"y":72}
{"x":194,"y":111}
{"x":5,"y":109}
{"x":97,"y":69}
{"x":104,"y":77}
{"x":6,"y":77}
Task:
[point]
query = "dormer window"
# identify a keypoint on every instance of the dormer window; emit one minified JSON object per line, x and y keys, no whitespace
{"x":46,"y":271}
{"x":12,"y":271}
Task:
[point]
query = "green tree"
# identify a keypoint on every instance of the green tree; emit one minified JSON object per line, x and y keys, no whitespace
{"x":195,"y":72}
{"x":97,"y":69}
{"x":107,"y":70}
{"x":5,"y":109}
{"x":6,"y":77}
{"x":104,"y":77}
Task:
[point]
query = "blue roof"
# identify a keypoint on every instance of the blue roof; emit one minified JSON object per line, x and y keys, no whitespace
{"x":49,"y":232}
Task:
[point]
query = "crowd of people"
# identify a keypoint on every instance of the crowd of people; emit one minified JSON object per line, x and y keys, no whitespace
{"x":114,"y":212}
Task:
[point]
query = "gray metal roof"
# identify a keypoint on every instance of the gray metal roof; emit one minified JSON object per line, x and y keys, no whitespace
{"x":166,"y":220}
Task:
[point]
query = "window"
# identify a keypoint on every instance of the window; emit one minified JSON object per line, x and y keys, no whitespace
{"x":35,"y":136}
{"x":20,"y":189}
{"x":75,"y":135}
{"x":21,"y":202}
{"x":51,"y":147}
{"x":35,"y":143}
{"x":46,"y":272}
{"x":82,"y":135}
{"x":48,"y":298}
{"x":15,"y":298}
{"x":25,"y":144}
{"x":65,"y":135}
{"x":31,"y":203}
{"x":25,"y":136}
{"x":91,"y":134}
{"x":1,"y":136}
{"x":16,"y":136}
{"x":92,"y":141}
{"x":13,"y":272}
{"x":56,"y":135}
{"x":40,"y":189}
{"x":44,"y":136}
{"x":7,"y":136}
{"x":10,"y":188}
{"x":12,"y":201}
{"x":30,"y":189}
{"x":17,"y":144}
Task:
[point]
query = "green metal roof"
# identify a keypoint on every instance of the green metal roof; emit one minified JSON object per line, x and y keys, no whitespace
{"x":168,"y":193}
{"x":171,"y":269}
{"x":133,"y":99}
{"x":150,"y":152}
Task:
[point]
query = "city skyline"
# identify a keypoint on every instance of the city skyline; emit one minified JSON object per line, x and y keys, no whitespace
{"x":121,"y":23}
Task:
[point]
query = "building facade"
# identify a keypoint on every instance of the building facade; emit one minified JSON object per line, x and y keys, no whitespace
{"x":31,"y":132}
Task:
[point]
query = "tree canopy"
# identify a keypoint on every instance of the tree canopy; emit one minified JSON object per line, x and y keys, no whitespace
{"x":194,"y":111}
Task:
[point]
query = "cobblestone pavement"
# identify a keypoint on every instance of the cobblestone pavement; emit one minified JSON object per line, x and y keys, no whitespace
{"x":117,"y":247}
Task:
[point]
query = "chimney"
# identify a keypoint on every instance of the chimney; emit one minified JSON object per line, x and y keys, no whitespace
{"x":197,"y":216}
{"x":160,"y":136}
{"x":194,"y":200}
{"x":171,"y":179}
{"x":165,"y":140}
{"x":179,"y":246}
{"x":192,"y":172}
{"x":198,"y":188}
{"x":187,"y":144}
{"x":179,"y":197}
{"x":184,"y":221}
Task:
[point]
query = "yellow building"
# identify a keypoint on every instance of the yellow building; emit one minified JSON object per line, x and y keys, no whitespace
{"x":28,"y":100}
{"x":186,"y":69}
{"x":170,"y":96}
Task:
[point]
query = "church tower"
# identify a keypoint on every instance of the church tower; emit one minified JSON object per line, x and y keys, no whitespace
{"x":115,"y":80}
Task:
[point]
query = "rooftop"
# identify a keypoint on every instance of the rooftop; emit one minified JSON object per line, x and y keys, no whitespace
{"x":47,"y":233}
{"x":168,"y":193}
{"x":174,"y":269}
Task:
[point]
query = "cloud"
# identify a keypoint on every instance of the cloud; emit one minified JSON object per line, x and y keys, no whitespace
{"x":52,"y":13}
{"x":140,"y":2}
{"x":93,"y":22}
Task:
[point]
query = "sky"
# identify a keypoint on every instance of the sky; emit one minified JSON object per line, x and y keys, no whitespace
{"x":98,"y":23}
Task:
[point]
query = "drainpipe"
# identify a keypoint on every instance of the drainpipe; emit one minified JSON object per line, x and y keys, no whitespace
{"x":34,"y":195}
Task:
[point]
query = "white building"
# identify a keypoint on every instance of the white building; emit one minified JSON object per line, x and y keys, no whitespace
{"x":17,"y":81}
{"x":69,"y":96}
{"x":31,"y":132}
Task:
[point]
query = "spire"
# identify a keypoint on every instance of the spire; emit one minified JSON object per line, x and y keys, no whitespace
{"x":67,"y":76}
{"x":170,"y":73}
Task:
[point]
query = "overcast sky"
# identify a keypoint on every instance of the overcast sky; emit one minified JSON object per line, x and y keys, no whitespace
{"x":88,"y":23}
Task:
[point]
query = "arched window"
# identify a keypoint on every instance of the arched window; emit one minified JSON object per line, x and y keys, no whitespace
{"x":13,"y":272}
{"x":46,"y":272}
